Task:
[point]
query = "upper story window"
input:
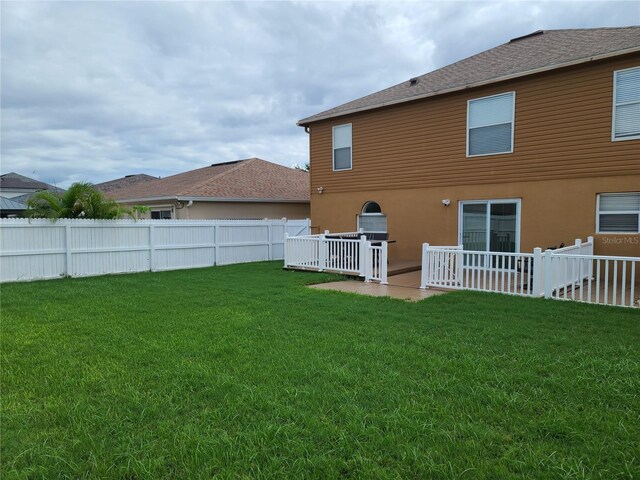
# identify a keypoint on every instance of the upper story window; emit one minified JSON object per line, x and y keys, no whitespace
{"x":342,"y":147}
{"x":618,"y":213}
{"x":490,"y":124}
{"x":626,"y":104}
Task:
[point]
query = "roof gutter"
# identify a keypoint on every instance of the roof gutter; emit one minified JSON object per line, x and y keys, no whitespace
{"x":305,"y":122}
{"x":211,"y":199}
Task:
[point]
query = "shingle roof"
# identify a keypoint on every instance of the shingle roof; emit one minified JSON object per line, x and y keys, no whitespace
{"x":10,"y":204}
{"x":251,"y":179}
{"x":124,"y":182}
{"x":15,"y":180}
{"x":548,"y":49}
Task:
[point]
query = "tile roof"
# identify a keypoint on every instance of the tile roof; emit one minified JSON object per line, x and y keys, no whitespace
{"x":124,"y":182}
{"x":250,"y":179}
{"x":545,"y":49}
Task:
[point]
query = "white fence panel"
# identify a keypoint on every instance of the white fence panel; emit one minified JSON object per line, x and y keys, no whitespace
{"x":570,"y":273}
{"x":347,"y":253}
{"x":176,"y":247}
{"x":297,"y":228}
{"x":441,"y":266}
{"x":101,"y":249}
{"x":376,"y":263}
{"x":567,"y":272}
{"x":40,"y":249}
{"x":29,"y":253}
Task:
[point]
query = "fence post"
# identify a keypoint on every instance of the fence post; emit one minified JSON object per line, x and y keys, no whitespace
{"x":460,"y":265}
{"x":216,"y":253}
{"x":321,"y":252}
{"x":590,"y":251}
{"x":269,"y":225}
{"x":383,"y":264}
{"x":67,"y":241}
{"x":537,"y":272}
{"x":548,"y":273}
{"x":423,"y":271}
{"x":368,"y":263}
{"x":152,"y":248}
{"x":362,"y":256}
{"x":286,"y":245}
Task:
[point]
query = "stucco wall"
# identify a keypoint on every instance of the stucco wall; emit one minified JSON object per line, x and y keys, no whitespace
{"x":552,"y":212}
{"x":226,"y":210}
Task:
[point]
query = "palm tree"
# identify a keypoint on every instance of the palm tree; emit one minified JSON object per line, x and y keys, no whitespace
{"x":81,"y":200}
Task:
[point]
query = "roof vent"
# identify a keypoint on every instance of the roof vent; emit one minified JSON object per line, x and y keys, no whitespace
{"x":537,"y":32}
{"x":413,"y":81}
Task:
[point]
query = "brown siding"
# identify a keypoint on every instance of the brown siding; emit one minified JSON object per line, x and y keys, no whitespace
{"x":562,"y":130}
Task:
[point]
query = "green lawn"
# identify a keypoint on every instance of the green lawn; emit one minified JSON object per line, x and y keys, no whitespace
{"x":243,"y":372}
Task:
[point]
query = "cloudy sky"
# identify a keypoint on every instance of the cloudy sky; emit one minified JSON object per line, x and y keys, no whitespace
{"x":97,"y":90}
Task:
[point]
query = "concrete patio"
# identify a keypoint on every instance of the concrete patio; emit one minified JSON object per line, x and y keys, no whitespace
{"x":404,"y":286}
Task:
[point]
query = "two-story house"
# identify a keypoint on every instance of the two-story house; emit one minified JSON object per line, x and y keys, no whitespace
{"x":533,"y":143}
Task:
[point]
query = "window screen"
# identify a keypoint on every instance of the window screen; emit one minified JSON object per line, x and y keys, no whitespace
{"x":342,"y":147}
{"x":626,"y":113}
{"x":619,"y":213}
{"x":490,"y":125}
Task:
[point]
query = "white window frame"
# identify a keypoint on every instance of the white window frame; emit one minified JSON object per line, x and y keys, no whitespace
{"x":381,"y":214}
{"x":513,"y":123}
{"x":614,"y":212}
{"x":488,"y":203}
{"x":333,"y":149}
{"x":613,"y":116}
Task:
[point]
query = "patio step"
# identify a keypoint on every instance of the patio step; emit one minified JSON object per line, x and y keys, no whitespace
{"x":403,"y":266}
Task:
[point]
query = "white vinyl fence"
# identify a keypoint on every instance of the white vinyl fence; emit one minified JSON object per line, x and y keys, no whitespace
{"x":349,"y":253}
{"x":40,"y":249}
{"x":569,"y":273}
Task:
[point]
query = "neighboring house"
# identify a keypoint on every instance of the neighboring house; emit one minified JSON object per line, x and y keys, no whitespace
{"x":251,"y":188}
{"x":15,"y":185}
{"x":15,"y":191}
{"x":533,"y":143}
{"x":9,"y":208}
{"x":124,"y":182}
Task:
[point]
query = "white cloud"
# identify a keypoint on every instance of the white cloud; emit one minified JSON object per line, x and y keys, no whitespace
{"x":97,"y":90}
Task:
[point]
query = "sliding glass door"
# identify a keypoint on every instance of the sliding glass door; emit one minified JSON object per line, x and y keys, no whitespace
{"x":490,"y":225}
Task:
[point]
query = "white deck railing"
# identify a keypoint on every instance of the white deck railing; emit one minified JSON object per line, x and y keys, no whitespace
{"x":348,"y":253}
{"x":454,"y":267}
{"x":569,"y":273}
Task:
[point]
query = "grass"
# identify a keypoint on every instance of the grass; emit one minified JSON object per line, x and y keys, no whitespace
{"x":242,"y":372}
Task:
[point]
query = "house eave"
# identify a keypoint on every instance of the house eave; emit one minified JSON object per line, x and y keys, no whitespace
{"x":305,"y":122}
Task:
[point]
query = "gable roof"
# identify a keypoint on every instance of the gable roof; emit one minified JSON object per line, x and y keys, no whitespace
{"x":252,"y":179}
{"x":124,"y":182}
{"x":17,"y":181}
{"x":539,"y":51}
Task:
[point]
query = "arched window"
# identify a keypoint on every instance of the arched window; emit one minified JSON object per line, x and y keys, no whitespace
{"x":371,"y":219}
{"x":371,"y":207}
